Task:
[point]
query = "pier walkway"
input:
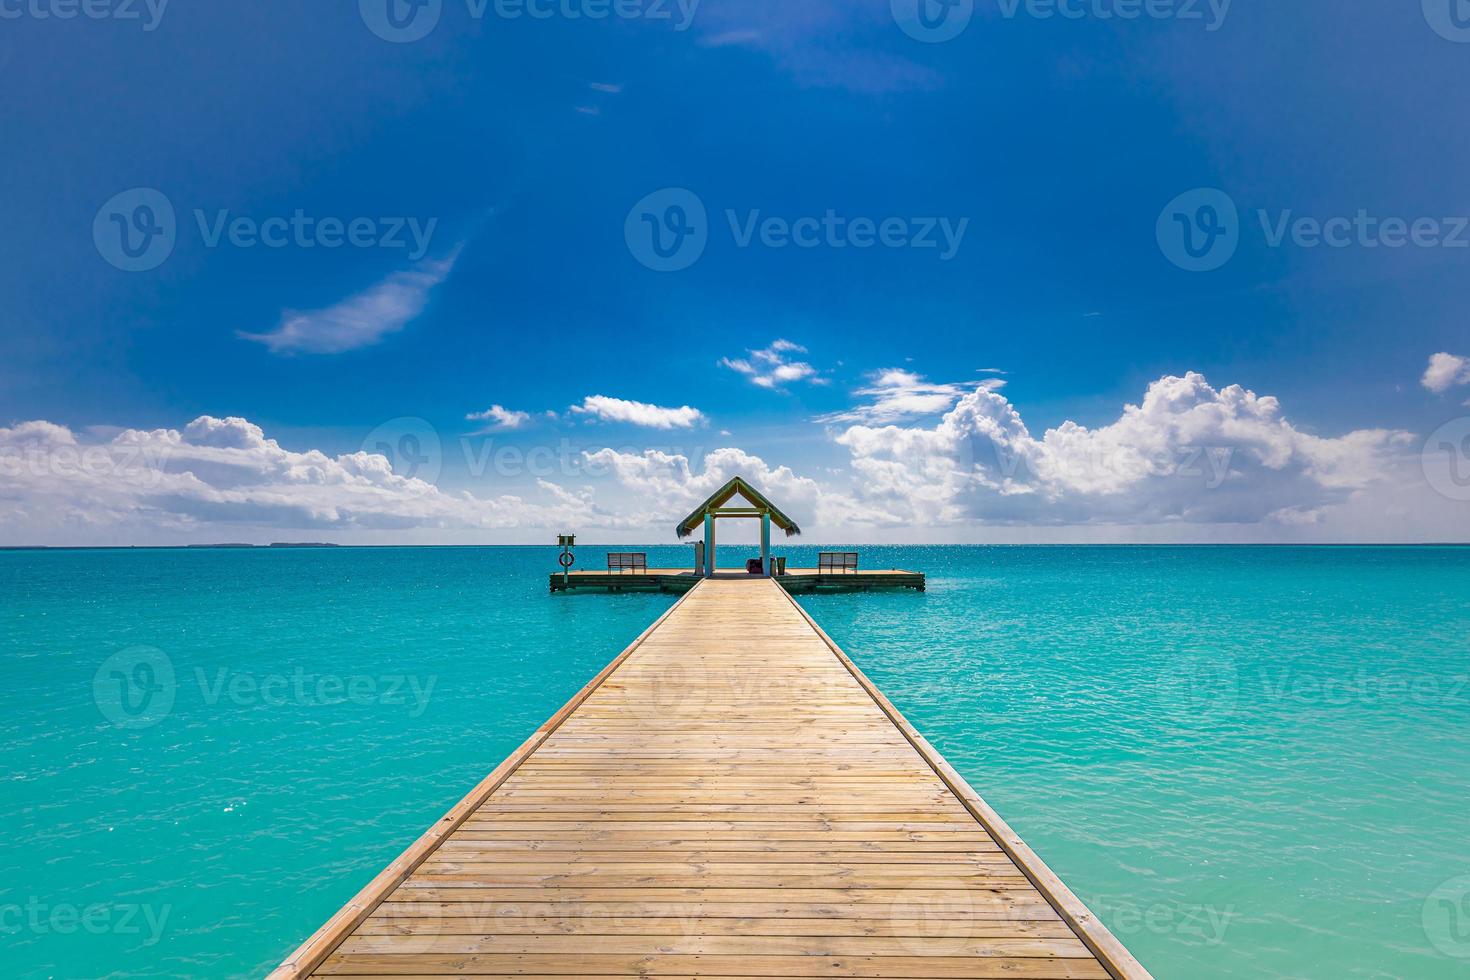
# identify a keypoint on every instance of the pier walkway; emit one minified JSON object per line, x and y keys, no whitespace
{"x":730,"y":797}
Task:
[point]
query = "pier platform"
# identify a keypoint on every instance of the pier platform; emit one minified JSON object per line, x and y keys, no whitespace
{"x":682,"y":580}
{"x":730,"y":797}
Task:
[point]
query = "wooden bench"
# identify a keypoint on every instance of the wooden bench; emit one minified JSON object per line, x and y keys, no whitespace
{"x":837,"y":561}
{"x":627,"y":561}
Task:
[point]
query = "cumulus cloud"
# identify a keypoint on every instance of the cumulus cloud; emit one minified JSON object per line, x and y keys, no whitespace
{"x":360,"y":320}
{"x":672,"y":487}
{"x":500,"y":417}
{"x":639,"y":413}
{"x":773,"y":366}
{"x":897,"y":394}
{"x":1446,"y":371}
{"x":221,"y":473}
{"x":1188,"y":455}
{"x":1188,"y":452}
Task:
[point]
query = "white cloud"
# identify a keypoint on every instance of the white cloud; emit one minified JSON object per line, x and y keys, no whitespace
{"x":222,"y":477}
{"x":639,"y":413}
{"x":897,"y":394}
{"x":500,"y":417}
{"x":1188,"y":453}
{"x":1189,"y":462}
{"x":363,"y":319}
{"x":727,"y":38}
{"x":670,"y":486}
{"x":1446,"y":371}
{"x":773,"y":367}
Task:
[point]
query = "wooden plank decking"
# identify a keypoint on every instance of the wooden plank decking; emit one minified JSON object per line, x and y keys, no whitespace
{"x":729,"y":798}
{"x":683,"y":579}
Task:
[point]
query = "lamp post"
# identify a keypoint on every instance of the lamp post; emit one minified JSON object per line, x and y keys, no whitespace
{"x":567,"y":559}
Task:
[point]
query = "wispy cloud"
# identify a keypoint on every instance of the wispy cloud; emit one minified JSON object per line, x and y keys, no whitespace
{"x":896,"y":394}
{"x":360,"y":320}
{"x":773,"y":366}
{"x":725,"y":39}
{"x":639,"y":413}
{"x":500,"y":417}
{"x":1446,"y":371}
{"x":611,"y":88}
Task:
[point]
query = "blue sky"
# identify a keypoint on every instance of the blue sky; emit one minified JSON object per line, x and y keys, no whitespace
{"x":519,"y":150}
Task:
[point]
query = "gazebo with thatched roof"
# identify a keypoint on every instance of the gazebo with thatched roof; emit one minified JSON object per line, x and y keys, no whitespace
{"x":714,"y":508}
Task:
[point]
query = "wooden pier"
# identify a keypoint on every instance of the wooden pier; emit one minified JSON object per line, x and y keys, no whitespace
{"x":730,"y":797}
{"x":797,"y":580}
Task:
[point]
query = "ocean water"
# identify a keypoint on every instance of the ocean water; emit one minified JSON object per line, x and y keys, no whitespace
{"x":1251,"y":762}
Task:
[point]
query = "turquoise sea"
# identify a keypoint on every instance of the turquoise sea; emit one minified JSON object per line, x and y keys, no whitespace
{"x":1251,"y":762}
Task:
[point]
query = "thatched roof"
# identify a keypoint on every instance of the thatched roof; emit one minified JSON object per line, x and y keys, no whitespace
{"x":722,"y":496}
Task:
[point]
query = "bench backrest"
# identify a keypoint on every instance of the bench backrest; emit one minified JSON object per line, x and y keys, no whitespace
{"x":618,"y":561}
{"x":828,"y":561}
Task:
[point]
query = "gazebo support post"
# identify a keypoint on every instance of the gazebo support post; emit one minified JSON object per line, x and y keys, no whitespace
{"x":766,"y":543}
{"x":709,"y":546}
